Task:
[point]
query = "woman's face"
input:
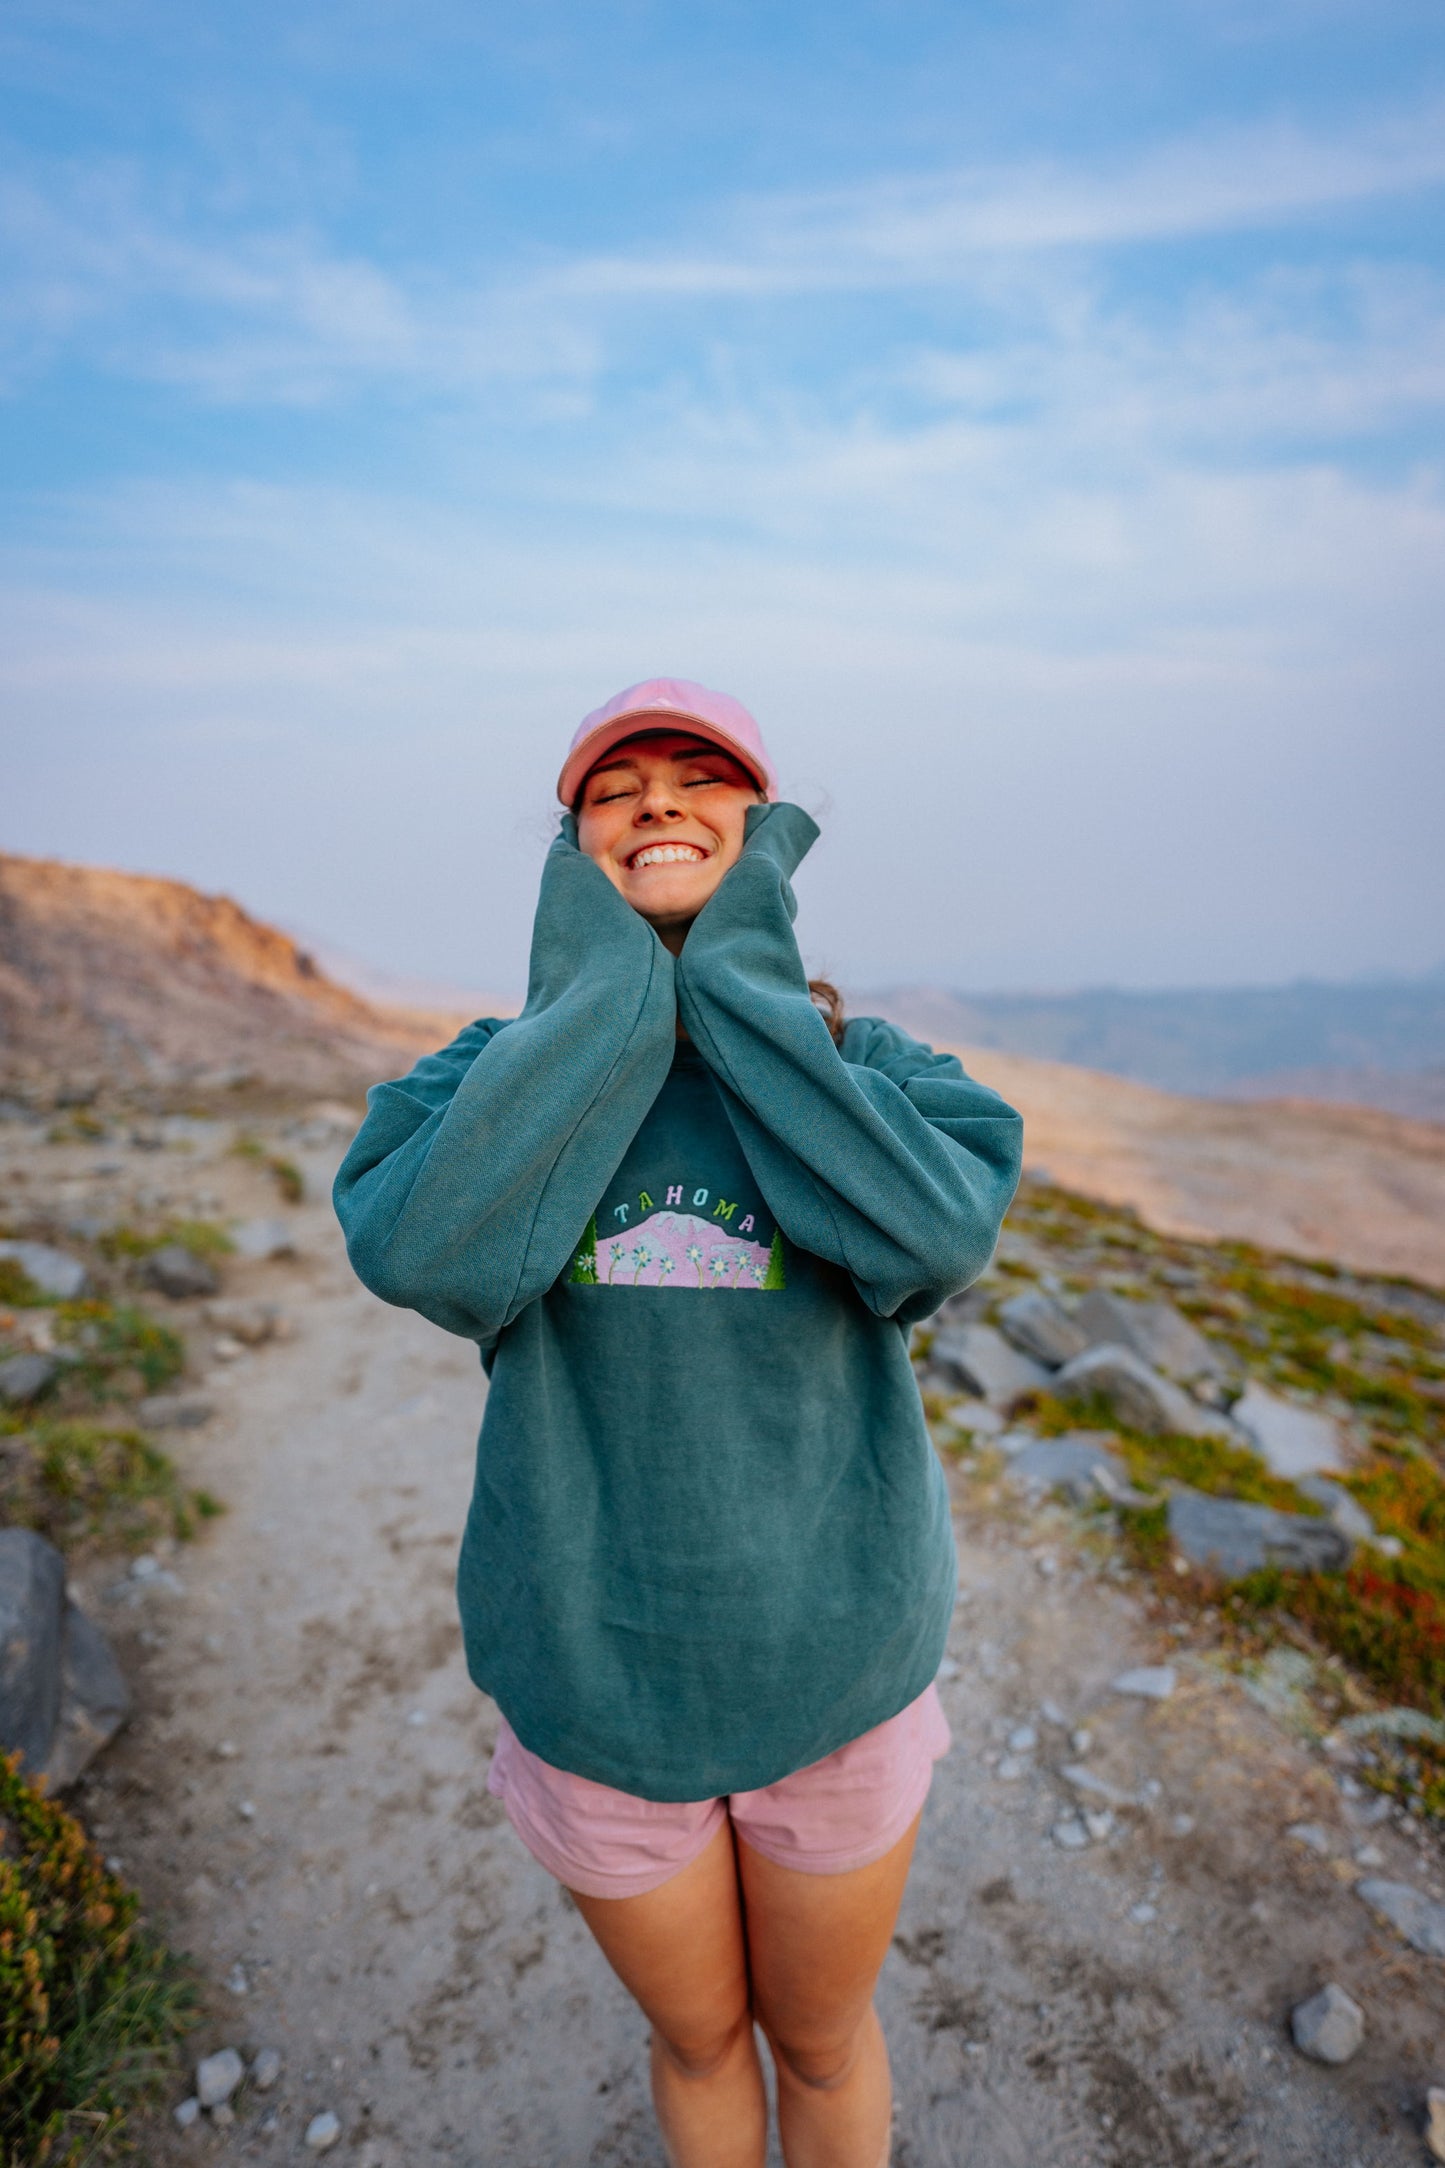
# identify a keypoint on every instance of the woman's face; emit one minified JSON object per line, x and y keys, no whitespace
{"x":662,"y":815}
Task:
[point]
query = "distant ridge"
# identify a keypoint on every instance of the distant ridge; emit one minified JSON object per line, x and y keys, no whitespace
{"x":139,"y":979}
{"x":1374,"y":1043}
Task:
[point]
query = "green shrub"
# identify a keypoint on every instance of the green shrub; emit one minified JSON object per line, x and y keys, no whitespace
{"x":117,"y":1346}
{"x":204,"y":1238}
{"x":91,"y":2005}
{"x":17,"y":1289}
{"x":76,"y":1481}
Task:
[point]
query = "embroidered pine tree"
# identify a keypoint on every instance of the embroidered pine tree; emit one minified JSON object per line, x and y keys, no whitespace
{"x":584,"y":1264}
{"x":775,"y":1276}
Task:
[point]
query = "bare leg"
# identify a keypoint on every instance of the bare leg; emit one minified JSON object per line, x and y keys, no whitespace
{"x":816,"y":1943}
{"x":680,"y":1952}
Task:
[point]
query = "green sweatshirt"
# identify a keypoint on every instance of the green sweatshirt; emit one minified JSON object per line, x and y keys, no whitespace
{"x":709,"y":1540}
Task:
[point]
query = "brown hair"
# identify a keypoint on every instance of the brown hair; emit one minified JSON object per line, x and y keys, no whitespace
{"x":828,"y":1000}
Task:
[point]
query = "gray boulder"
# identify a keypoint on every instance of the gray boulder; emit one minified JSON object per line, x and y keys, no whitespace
{"x":24,"y":1378}
{"x":54,"y":1272}
{"x":179,"y":1273}
{"x":1139,"y":1397}
{"x":1231,"y":1538}
{"x":1041,"y":1328}
{"x":1329,"y":2027}
{"x":62,"y":1695}
{"x":1293,"y":1440}
{"x":1420,"y":1919}
{"x":94,"y":1699}
{"x":984,"y":1364}
{"x":1158,"y":1333}
{"x":32,"y":1632}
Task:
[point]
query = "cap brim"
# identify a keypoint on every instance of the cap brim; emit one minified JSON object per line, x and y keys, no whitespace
{"x":583,"y":758}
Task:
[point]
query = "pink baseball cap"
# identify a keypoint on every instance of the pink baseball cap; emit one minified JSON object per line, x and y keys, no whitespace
{"x":661,"y":701}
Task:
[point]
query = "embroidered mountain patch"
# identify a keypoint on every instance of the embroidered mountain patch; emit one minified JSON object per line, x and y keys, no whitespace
{"x":676,"y":1249}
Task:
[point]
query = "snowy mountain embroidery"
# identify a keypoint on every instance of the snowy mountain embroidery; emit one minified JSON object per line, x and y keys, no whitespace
{"x":676,"y":1249}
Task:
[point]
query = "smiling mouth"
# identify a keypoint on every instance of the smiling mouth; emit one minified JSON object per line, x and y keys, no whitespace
{"x":667,"y":854}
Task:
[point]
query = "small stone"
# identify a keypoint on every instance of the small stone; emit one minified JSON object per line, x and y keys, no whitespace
{"x":24,"y":1378}
{"x":1311,"y":1836}
{"x":1022,"y":1739}
{"x":187,"y":2113}
{"x":1369,"y":1855}
{"x":226,"y":1350}
{"x":236,"y":1980}
{"x":263,"y":1238}
{"x":1329,"y":2027}
{"x":1149,"y":1682}
{"x":1012,"y":1767}
{"x":1051,"y":1713}
{"x":144,"y":1568}
{"x":54,"y":1272}
{"x":322,"y":2132}
{"x":1093,"y":1787}
{"x":269,"y":2124}
{"x":266,"y":2069}
{"x":1070,"y":1835}
{"x":227,"y":1750}
{"x":252,"y":1323}
{"x":223,"y":2116}
{"x":947,"y":1670}
{"x":1081,"y":1740}
{"x":1420,"y":1919}
{"x":1099,"y":1822}
{"x":1435,"y":2121}
{"x":174,"y":1411}
{"x":179,"y":1273}
{"x":1183,"y":1825}
{"x":246,"y":1808}
{"x":1142,"y":1914}
{"x":217,"y":2077}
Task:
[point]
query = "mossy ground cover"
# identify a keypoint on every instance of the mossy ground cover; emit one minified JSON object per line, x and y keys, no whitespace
{"x":91,"y":2005}
{"x":75,"y":1465}
{"x":1370,"y":1349}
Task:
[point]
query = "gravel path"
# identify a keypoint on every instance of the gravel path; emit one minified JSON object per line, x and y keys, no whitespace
{"x":301,"y":1799}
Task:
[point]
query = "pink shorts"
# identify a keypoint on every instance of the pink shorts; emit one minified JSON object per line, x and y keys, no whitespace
{"x":839,"y":1813}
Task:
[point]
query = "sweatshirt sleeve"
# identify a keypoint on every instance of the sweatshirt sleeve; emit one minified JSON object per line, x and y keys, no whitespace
{"x":470,"y":1180}
{"x":881,"y":1156}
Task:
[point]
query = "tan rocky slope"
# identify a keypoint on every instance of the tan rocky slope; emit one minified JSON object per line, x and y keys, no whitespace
{"x":1363,"y":1188}
{"x":124,"y":977}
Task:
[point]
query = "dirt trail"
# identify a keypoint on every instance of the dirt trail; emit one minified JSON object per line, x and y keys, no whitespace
{"x":302,"y":1796}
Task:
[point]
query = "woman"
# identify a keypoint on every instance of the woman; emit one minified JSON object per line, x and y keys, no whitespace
{"x":708,"y":1571}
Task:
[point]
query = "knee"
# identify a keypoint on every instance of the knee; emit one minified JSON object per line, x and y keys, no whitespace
{"x":820,"y":2063}
{"x":702,"y":2053}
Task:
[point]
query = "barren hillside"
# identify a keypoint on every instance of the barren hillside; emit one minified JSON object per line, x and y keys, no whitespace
{"x":1364,"y":1188}
{"x":135,"y":979}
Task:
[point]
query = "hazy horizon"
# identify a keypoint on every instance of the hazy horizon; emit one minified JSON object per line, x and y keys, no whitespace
{"x":1035,"y":419}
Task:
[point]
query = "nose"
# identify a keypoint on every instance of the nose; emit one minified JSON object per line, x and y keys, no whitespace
{"x":659,"y":803}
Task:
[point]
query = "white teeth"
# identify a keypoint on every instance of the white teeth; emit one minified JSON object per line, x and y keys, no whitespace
{"x":668,"y":854}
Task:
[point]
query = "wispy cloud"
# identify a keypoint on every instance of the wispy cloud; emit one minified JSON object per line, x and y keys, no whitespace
{"x":925,"y":229}
{"x":93,"y":258}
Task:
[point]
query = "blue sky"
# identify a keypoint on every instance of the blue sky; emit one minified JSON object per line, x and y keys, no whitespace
{"x":1034,"y":413}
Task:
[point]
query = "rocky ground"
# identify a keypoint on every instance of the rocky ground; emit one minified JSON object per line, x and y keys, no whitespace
{"x":1120,"y":1895}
